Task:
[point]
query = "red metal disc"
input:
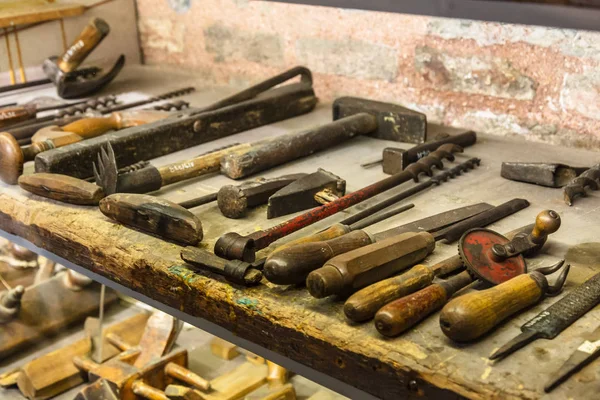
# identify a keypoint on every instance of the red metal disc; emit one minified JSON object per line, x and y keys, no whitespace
{"x":475,"y":248}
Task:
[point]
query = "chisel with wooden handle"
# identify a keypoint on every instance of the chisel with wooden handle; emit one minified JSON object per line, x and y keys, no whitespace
{"x":400,"y":302}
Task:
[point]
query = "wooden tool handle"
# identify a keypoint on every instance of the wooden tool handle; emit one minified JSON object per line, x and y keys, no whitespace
{"x":404,"y":313}
{"x":272,"y":152}
{"x":546,"y":223}
{"x":363,"y":305}
{"x":62,"y":188}
{"x":293,"y":264}
{"x":12,"y":115}
{"x":472,"y":315}
{"x":333,"y":231}
{"x":90,"y":37}
{"x":363,"y":266}
{"x":94,"y":126}
{"x":201,"y":165}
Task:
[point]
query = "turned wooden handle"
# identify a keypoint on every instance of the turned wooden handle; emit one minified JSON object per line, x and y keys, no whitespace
{"x":546,"y":223}
{"x":201,"y":165}
{"x":94,"y":126}
{"x":472,"y":315}
{"x":12,"y":115}
{"x":293,"y":264}
{"x":333,"y":231}
{"x":363,"y":305}
{"x":90,"y":37}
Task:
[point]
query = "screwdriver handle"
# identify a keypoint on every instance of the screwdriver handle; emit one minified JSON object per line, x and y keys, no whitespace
{"x":472,"y":315}
{"x":333,"y":231}
{"x":404,"y":313}
{"x":293,"y":264}
{"x":363,"y":305}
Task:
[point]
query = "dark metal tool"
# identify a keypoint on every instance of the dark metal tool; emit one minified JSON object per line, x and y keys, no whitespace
{"x":235,"y":246}
{"x":401,"y":302}
{"x":587,"y":352}
{"x":22,"y":112}
{"x":310,"y":191}
{"x":474,"y":314}
{"x":173,"y":221}
{"x":589,"y":179}
{"x":59,"y":69}
{"x":24,"y":85}
{"x":74,"y":113}
{"x":552,"y":321}
{"x":396,"y":159}
{"x":352,"y":117}
{"x":253,"y":107}
{"x":235,"y":271}
{"x":545,"y":174}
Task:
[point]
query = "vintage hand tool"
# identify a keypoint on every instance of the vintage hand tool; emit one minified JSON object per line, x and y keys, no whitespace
{"x":103,"y":105}
{"x":22,"y":112}
{"x":24,"y":85}
{"x":59,"y":69}
{"x":396,"y":159}
{"x":54,"y":373}
{"x":172,"y":221}
{"x":46,"y":308}
{"x":545,"y":174}
{"x":472,"y":315}
{"x":556,"y":318}
{"x":352,"y":117}
{"x":363,"y":266}
{"x":249,"y":273}
{"x":13,"y":156}
{"x":399,"y":303}
{"x":10,"y":303}
{"x":253,"y":107}
{"x":304,"y":193}
{"x":589,"y":179}
{"x":587,"y":352}
{"x":235,"y":246}
{"x":293,"y":262}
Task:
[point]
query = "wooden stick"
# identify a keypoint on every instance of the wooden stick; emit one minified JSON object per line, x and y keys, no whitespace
{"x":11,"y":70}
{"x":63,"y":34}
{"x":19,"y":56}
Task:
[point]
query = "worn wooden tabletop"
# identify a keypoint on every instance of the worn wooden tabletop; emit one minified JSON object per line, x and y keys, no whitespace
{"x":285,"y":319}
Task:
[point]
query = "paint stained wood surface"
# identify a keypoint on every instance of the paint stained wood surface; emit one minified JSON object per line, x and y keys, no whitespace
{"x":286,"y":319}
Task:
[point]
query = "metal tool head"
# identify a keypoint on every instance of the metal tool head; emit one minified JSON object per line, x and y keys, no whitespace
{"x":75,"y":86}
{"x":394,"y":122}
{"x":105,"y":170}
{"x":554,"y":290}
{"x":11,"y":159}
{"x":234,"y":246}
{"x":475,"y":249}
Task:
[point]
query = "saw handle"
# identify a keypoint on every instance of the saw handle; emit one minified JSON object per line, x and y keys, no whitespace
{"x":472,"y":315}
{"x":293,"y":264}
{"x":404,"y":313}
{"x":94,"y":32}
{"x":363,"y":305}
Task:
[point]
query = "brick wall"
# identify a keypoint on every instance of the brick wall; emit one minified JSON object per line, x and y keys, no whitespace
{"x":538,"y":82}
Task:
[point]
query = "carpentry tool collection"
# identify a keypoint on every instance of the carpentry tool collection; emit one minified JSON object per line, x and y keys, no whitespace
{"x":105,"y":161}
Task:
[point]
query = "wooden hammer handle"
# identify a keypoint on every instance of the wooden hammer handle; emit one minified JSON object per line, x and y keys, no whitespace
{"x":333,"y":231}
{"x":198,"y":166}
{"x":472,"y":315}
{"x":90,"y":37}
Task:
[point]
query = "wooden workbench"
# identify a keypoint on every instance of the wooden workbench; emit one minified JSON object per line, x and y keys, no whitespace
{"x":311,"y":336}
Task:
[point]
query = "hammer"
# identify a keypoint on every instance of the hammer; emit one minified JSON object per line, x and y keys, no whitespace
{"x":62,"y":70}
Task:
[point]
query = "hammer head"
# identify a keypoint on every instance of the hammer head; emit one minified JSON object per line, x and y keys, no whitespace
{"x":394,"y":122}
{"x":52,"y":71}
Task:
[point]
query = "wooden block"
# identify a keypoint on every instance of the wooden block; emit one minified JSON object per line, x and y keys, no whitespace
{"x":177,"y":392}
{"x":55,"y":372}
{"x":9,"y":378}
{"x":238,"y":382}
{"x":223,"y":349}
{"x":47,"y":308}
{"x":283,"y":392}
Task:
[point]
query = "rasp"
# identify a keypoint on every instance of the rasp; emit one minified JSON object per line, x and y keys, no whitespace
{"x":556,"y":318}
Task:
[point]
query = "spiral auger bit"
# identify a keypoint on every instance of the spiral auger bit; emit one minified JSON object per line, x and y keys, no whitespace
{"x":232,"y":245}
{"x":590,"y":179}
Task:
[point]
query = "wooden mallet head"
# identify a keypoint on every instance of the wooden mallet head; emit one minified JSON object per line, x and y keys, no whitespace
{"x":11,"y":159}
